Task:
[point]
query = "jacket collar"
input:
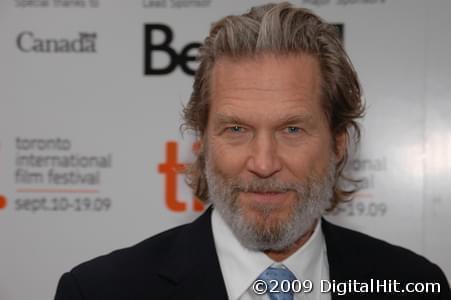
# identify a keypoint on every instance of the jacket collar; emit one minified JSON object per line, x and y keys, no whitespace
{"x":348,"y":260}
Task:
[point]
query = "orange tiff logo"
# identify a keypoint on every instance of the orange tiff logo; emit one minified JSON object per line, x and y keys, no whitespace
{"x":3,"y":202}
{"x":171,"y":168}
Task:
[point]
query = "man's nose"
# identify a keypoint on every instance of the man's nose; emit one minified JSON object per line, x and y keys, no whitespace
{"x":263,"y":159}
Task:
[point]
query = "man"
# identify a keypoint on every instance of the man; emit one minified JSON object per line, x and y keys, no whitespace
{"x":274,"y":104}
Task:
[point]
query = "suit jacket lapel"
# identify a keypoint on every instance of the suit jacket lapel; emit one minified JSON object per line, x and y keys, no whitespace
{"x":193,"y":269}
{"x":347,"y":260}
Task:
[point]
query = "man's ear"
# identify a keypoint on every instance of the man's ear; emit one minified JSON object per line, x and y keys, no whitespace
{"x":198,"y":146}
{"x":341,"y":143}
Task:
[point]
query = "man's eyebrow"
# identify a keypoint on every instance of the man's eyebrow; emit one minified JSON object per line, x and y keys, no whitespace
{"x":298,"y":118}
{"x":225,"y":119}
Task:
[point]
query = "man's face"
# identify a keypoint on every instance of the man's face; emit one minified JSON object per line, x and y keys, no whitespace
{"x":270,"y":162}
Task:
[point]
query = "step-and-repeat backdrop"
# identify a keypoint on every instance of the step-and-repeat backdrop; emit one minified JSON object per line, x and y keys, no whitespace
{"x":90,"y":98}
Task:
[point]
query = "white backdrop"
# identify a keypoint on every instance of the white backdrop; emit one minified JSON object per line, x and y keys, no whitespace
{"x":89,"y":141}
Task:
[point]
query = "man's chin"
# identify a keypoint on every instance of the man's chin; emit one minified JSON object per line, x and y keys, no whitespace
{"x":266,"y":218}
{"x":265,"y":227}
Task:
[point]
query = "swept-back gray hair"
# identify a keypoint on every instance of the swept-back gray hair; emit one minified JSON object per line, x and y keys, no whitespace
{"x":280,"y":29}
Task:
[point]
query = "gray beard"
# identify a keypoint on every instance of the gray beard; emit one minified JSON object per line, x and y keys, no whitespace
{"x":313,"y":197}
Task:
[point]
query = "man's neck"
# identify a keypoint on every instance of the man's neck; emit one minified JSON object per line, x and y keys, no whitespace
{"x":285,"y":253}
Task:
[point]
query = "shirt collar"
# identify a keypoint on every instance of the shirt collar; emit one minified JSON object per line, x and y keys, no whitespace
{"x":241,"y":266}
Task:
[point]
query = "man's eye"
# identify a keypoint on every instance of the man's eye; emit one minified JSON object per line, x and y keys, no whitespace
{"x":235,"y":129}
{"x":293,"y":129}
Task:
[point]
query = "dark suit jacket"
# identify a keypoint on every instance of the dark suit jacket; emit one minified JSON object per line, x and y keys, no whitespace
{"x":181,"y":263}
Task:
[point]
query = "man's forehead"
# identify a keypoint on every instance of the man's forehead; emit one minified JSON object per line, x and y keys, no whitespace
{"x":279,"y":87}
{"x":266,"y":73}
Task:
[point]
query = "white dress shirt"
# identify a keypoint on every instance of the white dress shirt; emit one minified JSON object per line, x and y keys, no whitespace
{"x":241,"y":267}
